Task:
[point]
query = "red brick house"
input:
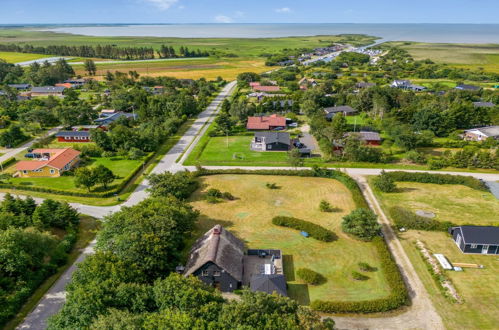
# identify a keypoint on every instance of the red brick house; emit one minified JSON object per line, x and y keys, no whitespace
{"x":73,"y":136}
{"x":264,"y":123}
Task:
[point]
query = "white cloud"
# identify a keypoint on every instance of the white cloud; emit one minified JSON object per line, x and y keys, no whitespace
{"x":162,"y":4}
{"x":223,"y":19}
{"x":283,"y":10}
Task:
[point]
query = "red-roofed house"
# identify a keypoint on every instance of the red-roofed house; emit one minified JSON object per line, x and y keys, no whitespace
{"x":266,"y":88}
{"x":48,"y":163}
{"x":266,"y":123}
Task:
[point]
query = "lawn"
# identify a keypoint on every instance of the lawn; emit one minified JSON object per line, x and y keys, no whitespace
{"x":12,"y":57}
{"x":477,"y":287}
{"x":249,"y":218}
{"x":119,"y":166}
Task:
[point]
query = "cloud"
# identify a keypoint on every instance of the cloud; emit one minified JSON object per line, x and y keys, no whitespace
{"x":162,"y":4}
{"x":223,"y":19}
{"x":283,"y":10}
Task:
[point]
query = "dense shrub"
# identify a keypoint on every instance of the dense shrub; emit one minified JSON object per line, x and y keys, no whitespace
{"x":404,"y":218}
{"x":365,"y":267}
{"x":423,"y":177}
{"x":361,"y":223}
{"x":384,"y":182}
{"x":213,"y":192}
{"x":180,"y":184}
{"x":310,"y":277}
{"x":359,"y":277}
{"x":325,"y":206}
{"x":315,"y":231}
{"x":271,"y":185}
{"x":398,"y":292}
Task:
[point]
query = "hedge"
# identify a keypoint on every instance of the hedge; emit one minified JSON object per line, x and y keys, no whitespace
{"x":404,"y":218}
{"x":8,"y":162}
{"x":315,"y":231}
{"x":423,"y":177}
{"x":398,"y":292}
{"x":116,"y":190}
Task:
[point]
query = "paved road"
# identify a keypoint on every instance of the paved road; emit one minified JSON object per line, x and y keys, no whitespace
{"x":14,"y":151}
{"x":55,"y":297}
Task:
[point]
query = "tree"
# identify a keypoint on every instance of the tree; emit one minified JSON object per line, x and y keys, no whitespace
{"x":384,"y":182}
{"x":224,"y":123}
{"x":85,"y":177}
{"x":294,"y":158}
{"x":181,"y":184}
{"x":103,"y":175}
{"x":90,"y":67}
{"x":361,"y":223}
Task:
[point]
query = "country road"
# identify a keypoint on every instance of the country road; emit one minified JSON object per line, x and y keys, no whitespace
{"x":421,"y":315}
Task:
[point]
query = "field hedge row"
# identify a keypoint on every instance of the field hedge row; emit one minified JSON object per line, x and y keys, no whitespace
{"x":404,"y":218}
{"x":398,"y":292}
{"x":423,"y":177}
{"x":8,"y":162}
{"x":318,"y":232}
{"x":116,"y":190}
{"x":398,"y":296}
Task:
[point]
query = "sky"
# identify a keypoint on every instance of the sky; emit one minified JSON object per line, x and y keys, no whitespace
{"x":253,"y":11}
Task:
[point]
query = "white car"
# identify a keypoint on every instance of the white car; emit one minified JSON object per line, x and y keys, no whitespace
{"x":293,"y":125}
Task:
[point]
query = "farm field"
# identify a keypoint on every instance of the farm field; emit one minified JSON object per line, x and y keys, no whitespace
{"x":467,"y":56}
{"x":477,"y":287}
{"x":249,"y":218}
{"x":12,"y":57}
{"x":209,"y":68}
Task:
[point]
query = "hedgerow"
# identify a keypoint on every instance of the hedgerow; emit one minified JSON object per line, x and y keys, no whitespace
{"x":315,"y":231}
{"x":404,"y":218}
{"x":423,"y":177}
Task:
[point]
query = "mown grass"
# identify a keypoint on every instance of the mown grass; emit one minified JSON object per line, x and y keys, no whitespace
{"x":249,"y":217}
{"x":88,"y":228}
{"x":477,"y":287}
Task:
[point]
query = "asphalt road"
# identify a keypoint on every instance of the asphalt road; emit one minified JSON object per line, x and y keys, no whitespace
{"x":422,"y":312}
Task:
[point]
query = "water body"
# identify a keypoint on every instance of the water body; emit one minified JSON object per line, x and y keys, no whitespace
{"x":452,"y":33}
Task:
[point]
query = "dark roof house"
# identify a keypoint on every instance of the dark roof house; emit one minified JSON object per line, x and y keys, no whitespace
{"x":107,"y":119}
{"x":47,"y":90}
{"x":271,"y":141}
{"x":464,"y":87}
{"x":217,"y":259}
{"x":73,"y":136}
{"x":346,"y":110}
{"x":20,"y":87}
{"x":269,"y":283}
{"x":482,"y":133}
{"x":476,"y":239}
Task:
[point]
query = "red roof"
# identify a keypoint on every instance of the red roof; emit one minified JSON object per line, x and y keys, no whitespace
{"x":254,"y":84}
{"x":58,"y":159}
{"x":266,"y":123}
{"x":266,"y":88}
{"x":67,"y":85}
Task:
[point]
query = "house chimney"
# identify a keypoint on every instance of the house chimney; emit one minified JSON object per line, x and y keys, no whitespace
{"x":217,"y":230}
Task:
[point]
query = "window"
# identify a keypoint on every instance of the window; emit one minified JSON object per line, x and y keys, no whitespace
{"x":473,"y":246}
{"x":216,"y":273}
{"x":269,"y":146}
{"x":205,"y":273}
{"x":52,"y":171}
{"x":67,"y":138}
{"x":25,"y":172}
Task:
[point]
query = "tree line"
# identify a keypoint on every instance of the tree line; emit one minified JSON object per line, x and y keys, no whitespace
{"x":106,"y":51}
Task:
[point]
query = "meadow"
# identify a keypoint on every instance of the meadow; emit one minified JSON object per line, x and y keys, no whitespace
{"x":477,"y":287}
{"x":12,"y":57}
{"x":249,"y":218}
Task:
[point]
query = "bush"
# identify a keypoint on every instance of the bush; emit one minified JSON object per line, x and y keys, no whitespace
{"x":398,"y":292}
{"x":325,"y":206}
{"x":212,"y":199}
{"x":423,"y":177}
{"x":271,"y":185}
{"x":310,"y":277}
{"x":384,"y":182}
{"x":212,"y":192}
{"x":416,"y":157}
{"x":404,"y":218}
{"x":315,"y":231}
{"x":362,"y":223}
{"x":359,"y":277}
{"x":365,"y":267}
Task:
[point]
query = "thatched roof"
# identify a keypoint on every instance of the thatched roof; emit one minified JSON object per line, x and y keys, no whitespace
{"x":220,"y":247}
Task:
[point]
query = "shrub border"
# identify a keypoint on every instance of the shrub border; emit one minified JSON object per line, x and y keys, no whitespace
{"x":398,"y":296}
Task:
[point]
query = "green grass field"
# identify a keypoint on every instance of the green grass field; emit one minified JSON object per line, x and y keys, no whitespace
{"x":249,"y":218}
{"x":477,"y":287}
{"x":12,"y":57}
{"x":467,"y":56}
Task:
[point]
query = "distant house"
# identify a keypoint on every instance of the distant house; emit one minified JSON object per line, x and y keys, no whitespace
{"x":47,"y":91}
{"x":48,"y":163}
{"x":476,"y":239}
{"x":85,"y":127}
{"x":346,"y":110}
{"x":271,"y":141}
{"x":73,"y":136}
{"x":406,"y":84}
{"x":305,"y":83}
{"x":482,"y":133}
{"x":106,"y":120}
{"x":266,"y":123}
{"x":484,"y":104}
{"x":362,"y":85}
{"x":217,"y":260}
{"x":20,"y":87}
{"x":283,"y":103}
{"x":75,"y":83}
{"x":268,"y":89}
{"x":67,"y":85}
{"x":464,"y":87}
{"x":156,"y":90}
{"x":370,"y":138}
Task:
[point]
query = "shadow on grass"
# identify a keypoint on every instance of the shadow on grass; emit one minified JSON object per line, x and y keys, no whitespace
{"x":299,"y":292}
{"x":404,"y":189}
{"x":289,"y":267}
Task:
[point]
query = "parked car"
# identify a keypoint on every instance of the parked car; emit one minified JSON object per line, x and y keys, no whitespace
{"x":293,"y":125}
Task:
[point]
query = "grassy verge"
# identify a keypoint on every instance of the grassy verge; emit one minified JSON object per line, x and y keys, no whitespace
{"x":87,"y":230}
